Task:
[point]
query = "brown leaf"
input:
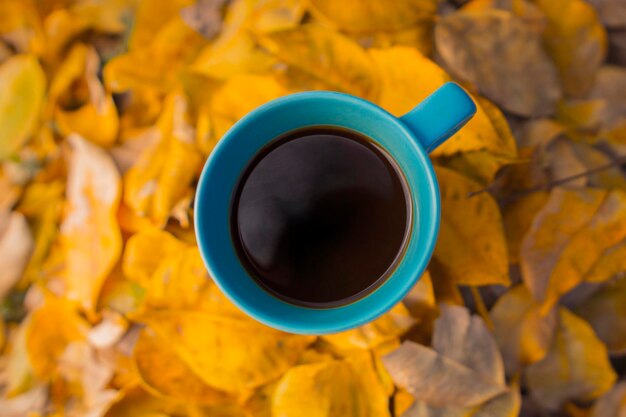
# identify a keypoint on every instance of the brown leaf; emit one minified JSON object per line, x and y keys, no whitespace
{"x":463,"y":369}
{"x":483,"y":48}
{"x":518,"y":217}
{"x":612,"y":12}
{"x":205,"y":16}
{"x":605,"y":311}
{"x":576,"y":367}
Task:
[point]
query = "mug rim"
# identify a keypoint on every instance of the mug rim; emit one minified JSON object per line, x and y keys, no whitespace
{"x":426,"y":231}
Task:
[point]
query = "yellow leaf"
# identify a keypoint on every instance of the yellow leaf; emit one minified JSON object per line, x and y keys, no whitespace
{"x":231,"y":354}
{"x":42,"y":204}
{"x":372,"y":15}
{"x":164,"y":373}
{"x":567,"y":237}
{"x":577,"y":366}
{"x":610,"y":263}
{"x":240,"y":95}
{"x":389,"y":326}
{"x":518,"y":217}
{"x":23,"y":84}
{"x":16,"y":247}
{"x":577,"y":44}
{"x":236,"y":55}
{"x":171,"y":272}
{"x":325,"y":55}
{"x":421,"y":299}
{"x":482,"y":47}
{"x":80,"y":103}
{"x":344,"y":388}
{"x":523,"y":333}
{"x":605,"y":311}
{"x":164,"y":171}
{"x":19,"y":370}
{"x":89,"y":235}
{"x":408,"y":77}
{"x":471,"y":248}
{"x":157,"y":63}
{"x":50,"y":329}
{"x":150,"y":17}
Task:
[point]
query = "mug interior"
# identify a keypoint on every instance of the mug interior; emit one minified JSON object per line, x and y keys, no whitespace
{"x":233,"y":153}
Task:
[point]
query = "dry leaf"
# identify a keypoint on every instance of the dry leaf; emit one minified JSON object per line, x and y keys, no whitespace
{"x":23,"y":84}
{"x":80,"y":103}
{"x":16,"y":246}
{"x":231,"y":354}
{"x":606,"y":313}
{"x":162,"y":371}
{"x":524,"y":334}
{"x":331,"y":388}
{"x":471,"y":249}
{"x":89,"y":235}
{"x":612,"y":403}
{"x":612,"y":12}
{"x":482,"y":48}
{"x":386,"y":328}
{"x":205,"y":16}
{"x":325,"y":55}
{"x":463,"y":371}
{"x":518,"y":217}
{"x":577,"y":44}
{"x":576,"y":367}
{"x":371,"y":15}
{"x":163,"y":173}
{"x":562,"y":246}
{"x":51,"y":328}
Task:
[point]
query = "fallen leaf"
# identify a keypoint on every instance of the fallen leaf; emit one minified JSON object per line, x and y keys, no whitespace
{"x":23,"y":84}
{"x":562,"y":246}
{"x":89,"y":235}
{"x":163,"y":173}
{"x":205,"y":17}
{"x":109,"y":331}
{"x":462,"y":372}
{"x":612,"y":12}
{"x":325,"y":55}
{"x":408,"y":77}
{"x":577,"y":45}
{"x":612,"y":403}
{"x":370,"y":15}
{"x":576,"y":367}
{"x":348,"y":387}
{"x":482,"y":48}
{"x":605,"y":311}
{"x":33,"y":401}
{"x":156,"y":63}
{"x":16,"y":247}
{"x":389,"y":326}
{"x":469,"y":252}
{"x":518,"y":217}
{"x":80,"y":104}
{"x":523,"y":333}
{"x":176,"y":379}
{"x":51,"y":328}
{"x":609,"y":85}
{"x":220,"y":351}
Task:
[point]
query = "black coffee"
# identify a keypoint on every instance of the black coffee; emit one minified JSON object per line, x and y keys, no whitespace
{"x":320,"y":216}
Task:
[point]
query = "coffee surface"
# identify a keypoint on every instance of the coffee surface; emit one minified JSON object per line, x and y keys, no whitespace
{"x":320,"y":216}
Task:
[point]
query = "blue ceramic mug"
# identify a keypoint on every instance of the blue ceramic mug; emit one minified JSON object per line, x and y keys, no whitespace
{"x":407,"y":139}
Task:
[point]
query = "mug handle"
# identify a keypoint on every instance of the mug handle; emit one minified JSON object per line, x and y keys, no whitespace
{"x":440,"y":115}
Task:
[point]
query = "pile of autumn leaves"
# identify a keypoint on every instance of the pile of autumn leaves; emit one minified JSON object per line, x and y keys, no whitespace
{"x":109,"y":108}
